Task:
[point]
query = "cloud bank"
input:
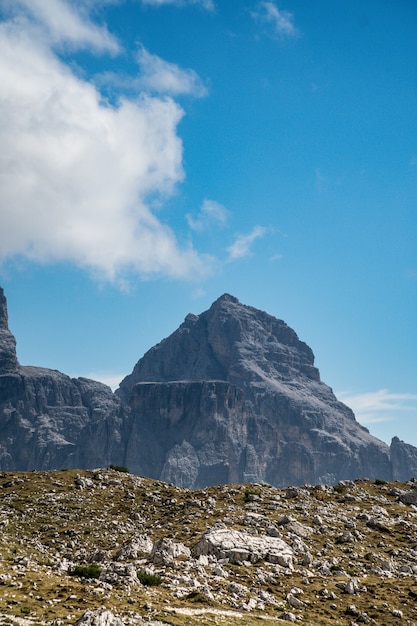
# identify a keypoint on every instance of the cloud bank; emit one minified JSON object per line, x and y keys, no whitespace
{"x":77,"y":175}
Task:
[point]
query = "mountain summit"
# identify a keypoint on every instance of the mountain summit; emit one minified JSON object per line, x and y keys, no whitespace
{"x":232,"y":396}
{"x":230,"y":342}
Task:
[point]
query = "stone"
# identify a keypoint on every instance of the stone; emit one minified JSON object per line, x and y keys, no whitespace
{"x":119,"y":574}
{"x":101,"y":617}
{"x":294,"y":602}
{"x":409,"y":497}
{"x":238,"y":547}
{"x":135,"y":548}
{"x":166,"y":550}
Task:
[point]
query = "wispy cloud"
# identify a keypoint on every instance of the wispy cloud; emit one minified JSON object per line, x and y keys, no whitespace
{"x":241,"y":247}
{"x":378,"y":406}
{"x":281,"y":22}
{"x":205,"y":4}
{"x":76,"y":174}
{"x":60,"y":23}
{"x":212,"y":213}
{"x":160,"y":76}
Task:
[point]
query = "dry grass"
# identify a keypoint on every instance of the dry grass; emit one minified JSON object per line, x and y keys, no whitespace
{"x":45,"y":520}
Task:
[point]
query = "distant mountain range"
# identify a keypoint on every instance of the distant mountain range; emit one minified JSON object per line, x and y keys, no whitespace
{"x":232,"y":396}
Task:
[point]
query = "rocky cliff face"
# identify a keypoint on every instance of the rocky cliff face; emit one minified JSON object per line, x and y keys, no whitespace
{"x":232,"y":396}
{"x":8,"y":360}
{"x":49,"y":420}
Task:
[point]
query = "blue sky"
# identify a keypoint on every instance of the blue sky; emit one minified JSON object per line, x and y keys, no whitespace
{"x":156,"y":154}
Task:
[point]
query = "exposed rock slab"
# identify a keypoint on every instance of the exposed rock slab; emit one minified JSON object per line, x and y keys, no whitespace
{"x":238,"y":546}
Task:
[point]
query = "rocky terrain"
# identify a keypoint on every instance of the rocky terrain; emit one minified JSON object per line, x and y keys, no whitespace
{"x":232,"y":396}
{"x":108,"y":548}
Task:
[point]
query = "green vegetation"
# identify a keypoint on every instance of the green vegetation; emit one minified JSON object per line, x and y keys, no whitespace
{"x":92,"y":570}
{"x":119,"y":468}
{"x":149,"y":580}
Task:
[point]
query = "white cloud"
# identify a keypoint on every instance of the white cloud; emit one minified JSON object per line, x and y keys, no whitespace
{"x":211,"y":213}
{"x":282,"y":22}
{"x":205,"y":4}
{"x":160,"y":76}
{"x":76,"y":174}
{"x":242,"y":245}
{"x":63,"y":24}
{"x":378,"y":406}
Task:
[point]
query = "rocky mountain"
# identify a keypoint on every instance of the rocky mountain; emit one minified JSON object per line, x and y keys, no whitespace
{"x":108,"y":548}
{"x":49,"y":420}
{"x":232,"y":396}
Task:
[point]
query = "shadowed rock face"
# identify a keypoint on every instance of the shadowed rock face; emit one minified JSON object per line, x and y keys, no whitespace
{"x":231,"y":396}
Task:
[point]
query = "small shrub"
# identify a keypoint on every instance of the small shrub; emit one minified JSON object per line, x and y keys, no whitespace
{"x":119,"y":468}
{"x":149,"y":580}
{"x":92,"y":570}
{"x":251,"y":496}
{"x":380,"y":481}
{"x":336,"y":568}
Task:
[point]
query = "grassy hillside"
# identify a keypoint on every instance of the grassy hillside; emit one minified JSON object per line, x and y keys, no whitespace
{"x":355,"y":551}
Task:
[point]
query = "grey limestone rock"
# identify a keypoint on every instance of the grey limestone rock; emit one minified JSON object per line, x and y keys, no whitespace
{"x":403,"y":459}
{"x":49,"y":420}
{"x":238,"y":546}
{"x":100,"y":617}
{"x":8,"y":359}
{"x":232,"y":396}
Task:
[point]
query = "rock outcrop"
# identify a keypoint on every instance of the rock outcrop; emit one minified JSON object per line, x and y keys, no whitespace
{"x":8,"y":359}
{"x":232,"y":396}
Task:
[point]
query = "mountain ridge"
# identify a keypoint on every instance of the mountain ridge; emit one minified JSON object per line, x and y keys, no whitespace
{"x":232,"y":395}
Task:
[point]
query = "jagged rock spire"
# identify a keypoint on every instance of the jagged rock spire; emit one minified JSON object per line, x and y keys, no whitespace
{"x":8,"y":359}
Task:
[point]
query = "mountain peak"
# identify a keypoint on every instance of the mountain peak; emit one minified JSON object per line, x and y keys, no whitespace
{"x":231,"y":342}
{"x":8,"y":359}
{"x":4,"y":318}
{"x":225,"y":298}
